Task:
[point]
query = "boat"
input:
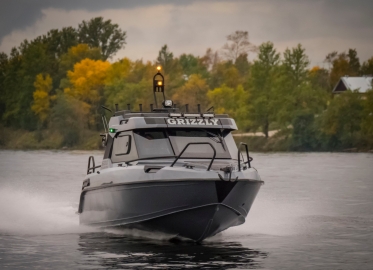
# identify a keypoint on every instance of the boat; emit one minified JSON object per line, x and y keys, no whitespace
{"x":169,"y":170}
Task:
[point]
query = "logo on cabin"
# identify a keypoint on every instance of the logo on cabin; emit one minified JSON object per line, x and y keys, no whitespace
{"x":200,"y":122}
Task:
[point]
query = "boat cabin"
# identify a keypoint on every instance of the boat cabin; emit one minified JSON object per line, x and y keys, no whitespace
{"x":167,"y":133}
{"x":134,"y":137}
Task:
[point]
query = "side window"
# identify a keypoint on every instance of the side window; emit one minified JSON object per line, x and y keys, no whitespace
{"x":122,"y":145}
{"x":124,"y":148}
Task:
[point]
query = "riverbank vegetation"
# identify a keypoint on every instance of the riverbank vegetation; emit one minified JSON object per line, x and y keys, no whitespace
{"x":52,"y":88}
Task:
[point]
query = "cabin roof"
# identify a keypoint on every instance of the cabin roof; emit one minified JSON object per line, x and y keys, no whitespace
{"x":361,"y":84}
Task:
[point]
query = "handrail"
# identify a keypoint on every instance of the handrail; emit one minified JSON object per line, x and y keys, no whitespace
{"x":93,"y":168}
{"x":247,"y":154}
{"x":186,"y":146}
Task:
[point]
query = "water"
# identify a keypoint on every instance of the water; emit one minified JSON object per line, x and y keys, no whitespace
{"x":315,"y":211}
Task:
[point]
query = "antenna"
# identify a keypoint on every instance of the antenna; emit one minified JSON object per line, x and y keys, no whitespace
{"x":212,"y":107}
{"x":199,"y":108}
{"x":104,"y":122}
{"x":129,"y":107}
{"x":106,"y":108}
{"x":116,"y":107}
{"x":140,"y":106}
{"x":187,"y":108}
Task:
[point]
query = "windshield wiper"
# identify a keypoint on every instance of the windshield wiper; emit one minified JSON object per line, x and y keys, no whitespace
{"x":216,"y":138}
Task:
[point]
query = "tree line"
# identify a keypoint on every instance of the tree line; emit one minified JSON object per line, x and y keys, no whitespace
{"x":54,"y":86}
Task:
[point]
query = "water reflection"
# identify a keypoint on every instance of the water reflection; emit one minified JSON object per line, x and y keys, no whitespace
{"x":127,"y":252}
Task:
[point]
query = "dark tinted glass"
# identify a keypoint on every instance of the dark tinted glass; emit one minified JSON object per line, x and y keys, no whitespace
{"x":151,"y":134}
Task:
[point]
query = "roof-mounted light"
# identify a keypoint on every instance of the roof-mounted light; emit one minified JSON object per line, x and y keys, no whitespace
{"x":112,"y":130}
{"x":192,"y":115}
{"x":175,"y":115}
{"x":208,"y":115}
{"x":168,"y":103}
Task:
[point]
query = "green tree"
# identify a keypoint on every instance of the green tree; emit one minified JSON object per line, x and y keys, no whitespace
{"x":353,"y":63}
{"x":319,"y":78}
{"x":367,"y":118}
{"x":232,"y":101}
{"x":166,"y":59}
{"x":342,"y":119}
{"x":262,"y":86}
{"x":367,"y":67}
{"x":103,"y":34}
{"x":3,"y":71}
{"x":69,"y":118}
{"x":59,"y":41}
{"x":193,"y":65}
{"x":295,"y":95}
{"x":242,"y":65}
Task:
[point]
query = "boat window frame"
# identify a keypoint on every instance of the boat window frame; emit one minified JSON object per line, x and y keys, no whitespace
{"x":207,"y":130}
{"x":131,"y":150}
{"x":164,"y":131}
{"x":222,"y":132}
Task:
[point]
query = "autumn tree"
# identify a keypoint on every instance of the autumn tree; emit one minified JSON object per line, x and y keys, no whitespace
{"x":74,"y":55}
{"x":319,"y":78}
{"x":103,"y":34}
{"x":42,"y":98}
{"x":339,"y":69}
{"x":238,"y":44}
{"x":193,"y":92}
{"x":342,"y":64}
{"x":87,"y":82}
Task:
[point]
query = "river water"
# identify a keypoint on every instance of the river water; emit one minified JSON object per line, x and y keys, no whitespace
{"x":315,"y":211}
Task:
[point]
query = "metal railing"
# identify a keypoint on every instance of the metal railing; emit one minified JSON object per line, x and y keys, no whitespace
{"x":249,"y":159}
{"x":186,"y":146}
{"x":93,"y":168}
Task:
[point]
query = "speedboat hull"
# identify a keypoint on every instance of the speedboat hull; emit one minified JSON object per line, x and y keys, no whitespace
{"x":194,"y":209}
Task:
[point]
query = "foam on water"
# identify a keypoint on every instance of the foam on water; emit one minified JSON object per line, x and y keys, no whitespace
{"x":24,"y":212}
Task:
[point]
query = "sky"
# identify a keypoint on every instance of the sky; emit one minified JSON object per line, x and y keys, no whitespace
{"x":192,"y":26}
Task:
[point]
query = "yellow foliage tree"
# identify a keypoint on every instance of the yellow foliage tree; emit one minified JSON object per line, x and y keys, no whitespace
{"x":87,"y":80}
{"x":41,"y":104}
{"x":232,"y":101}
{"x":118,"y":71}
{"x":193,"y":92}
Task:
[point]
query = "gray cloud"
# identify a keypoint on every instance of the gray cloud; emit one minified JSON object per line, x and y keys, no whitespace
{"x":190,"y":26}
{"x":18,"y":14}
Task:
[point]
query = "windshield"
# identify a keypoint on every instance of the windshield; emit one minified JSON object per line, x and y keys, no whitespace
{"x":170,"y":142}
{"x":152,"y":143}
{"x":181,"y":137}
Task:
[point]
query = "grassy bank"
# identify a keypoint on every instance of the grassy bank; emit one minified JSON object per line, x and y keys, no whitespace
{"x":46,"y":139}
{"x":90,"y":140}
{"x":279,"y":142}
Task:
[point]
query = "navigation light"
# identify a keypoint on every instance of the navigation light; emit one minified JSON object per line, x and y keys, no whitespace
{"x":168,"y":103}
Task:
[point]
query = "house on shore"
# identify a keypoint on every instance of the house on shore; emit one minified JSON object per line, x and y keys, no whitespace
{"x":360,"y":84}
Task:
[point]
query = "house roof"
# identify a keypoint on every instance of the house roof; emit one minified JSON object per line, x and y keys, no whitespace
{"x":362,"y":84}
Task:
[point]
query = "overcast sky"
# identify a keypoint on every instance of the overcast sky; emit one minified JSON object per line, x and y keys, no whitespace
{"x":189,"y":26}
